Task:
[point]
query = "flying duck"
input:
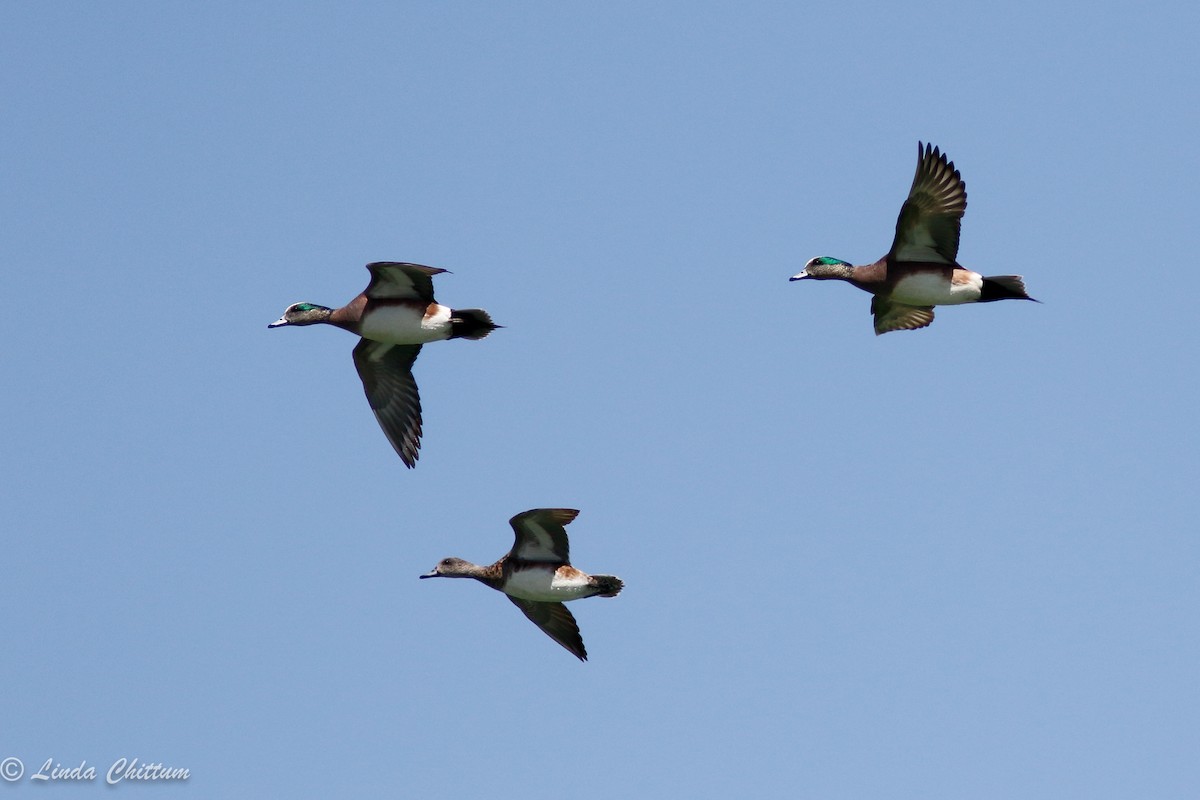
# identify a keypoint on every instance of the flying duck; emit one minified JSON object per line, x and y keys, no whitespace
{"x":394,"y":316}
{"x":537,"y":575}
{"x":921,"y":270}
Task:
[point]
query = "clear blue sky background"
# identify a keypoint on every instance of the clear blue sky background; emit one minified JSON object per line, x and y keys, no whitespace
{"x":960,"y":562}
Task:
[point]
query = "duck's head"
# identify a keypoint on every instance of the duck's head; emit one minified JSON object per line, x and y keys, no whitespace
{"x":302,"y":314}
{"x":450,"y":568}
{"x":823,"y":268}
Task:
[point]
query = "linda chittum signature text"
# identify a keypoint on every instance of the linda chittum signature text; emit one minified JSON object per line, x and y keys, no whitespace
{"x":123,"y":769}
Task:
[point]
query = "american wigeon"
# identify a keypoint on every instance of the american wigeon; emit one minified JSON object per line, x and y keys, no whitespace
{"x":537,"y":575}
{"x":394,"y":316}
{"x":920,"y":271}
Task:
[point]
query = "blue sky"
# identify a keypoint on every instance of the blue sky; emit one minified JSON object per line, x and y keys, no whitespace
{"x":958,"y":562}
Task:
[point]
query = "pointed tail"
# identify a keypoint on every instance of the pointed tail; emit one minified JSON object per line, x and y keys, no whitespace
{"x":1003,"y":287}
{"x":609,"y":585}
{"x":471,"y":323}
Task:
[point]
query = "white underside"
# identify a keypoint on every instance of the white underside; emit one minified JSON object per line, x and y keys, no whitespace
{"x":544,"y":585}
{"x":927,"y":289}
{"x":405,"y":325}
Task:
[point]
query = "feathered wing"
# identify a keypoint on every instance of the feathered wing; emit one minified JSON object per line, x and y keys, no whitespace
{"x":892,"y":316}
{"x":400,"y":280}
{"x":557,"y":621}
{"x":930,"y":220}
{"x":541,"y":535}
{"x":386,"y":373}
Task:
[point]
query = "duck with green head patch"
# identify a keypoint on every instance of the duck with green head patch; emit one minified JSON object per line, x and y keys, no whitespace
{"x":395,"y":315}
{"x":920,"y":270}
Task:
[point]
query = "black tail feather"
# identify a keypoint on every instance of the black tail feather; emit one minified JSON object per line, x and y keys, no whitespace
{"x":471,"y":323}
{"x":609,"y":585}
{"x":1003,"y":287}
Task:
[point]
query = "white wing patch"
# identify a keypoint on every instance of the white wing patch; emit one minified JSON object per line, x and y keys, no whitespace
{"x":538,"y":544}
{"x":396,"y":283}
{"x":394,"y":280}
{"x":541,"y":535}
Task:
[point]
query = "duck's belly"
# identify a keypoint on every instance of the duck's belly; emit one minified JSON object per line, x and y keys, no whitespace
{"x":546,"y":584}
{"x":932,"y":289}
{"x":397,"y":323}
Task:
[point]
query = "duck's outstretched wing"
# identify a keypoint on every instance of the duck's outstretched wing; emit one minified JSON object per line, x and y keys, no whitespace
{"x":892,"y":316}
{"x":930,"y":220}
{"x":386,"y":373}
{"x":400,"y":280}
{"x":557,"y":621}
{"x":541,"y":535}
